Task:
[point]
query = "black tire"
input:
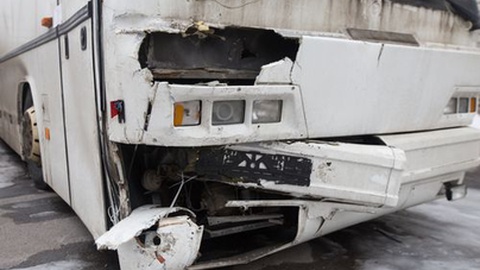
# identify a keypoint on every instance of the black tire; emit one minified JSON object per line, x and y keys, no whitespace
{"x":35,"y":173}
{"x":31,"y":148}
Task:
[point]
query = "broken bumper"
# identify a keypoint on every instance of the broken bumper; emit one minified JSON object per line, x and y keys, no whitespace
{"x":342,"y":172}
{"x":320,"y":170}
{"x":336,"y":185}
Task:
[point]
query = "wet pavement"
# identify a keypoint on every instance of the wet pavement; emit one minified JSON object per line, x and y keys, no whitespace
{"x":39,"y":231}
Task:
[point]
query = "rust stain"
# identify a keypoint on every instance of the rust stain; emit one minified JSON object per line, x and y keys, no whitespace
{"x":160,"y":258}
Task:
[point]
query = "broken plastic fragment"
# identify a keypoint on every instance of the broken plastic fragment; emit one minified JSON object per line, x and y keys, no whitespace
{"x":276,"y":72}
{"x":140,"y":219}
{"x":173,"y":244}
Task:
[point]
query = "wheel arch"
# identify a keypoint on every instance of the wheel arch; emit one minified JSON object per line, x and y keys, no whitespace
{"x":26,"y":98}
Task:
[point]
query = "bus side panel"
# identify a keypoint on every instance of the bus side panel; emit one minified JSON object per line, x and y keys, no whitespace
{"x":12,"y":73}
{"x":82,"y":129}
{"x":39,"y":68}
{"x":44,"y":79}
{"x":21,"y":21}
{"x":70,"y":7}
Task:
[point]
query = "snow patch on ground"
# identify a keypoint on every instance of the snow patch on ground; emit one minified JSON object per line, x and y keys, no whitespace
{"x":6,"y":184}
{"x":440,"y":235}
{"x":428,"y":264}
{"x":460,"y":216}
{"x":8,"y":171}
{"x":60,"y":265}
{"x":22,"y":205}
{"x":43,"y":214}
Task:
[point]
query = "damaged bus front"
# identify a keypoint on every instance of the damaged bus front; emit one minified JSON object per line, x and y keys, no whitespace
{"x":241,"y":128}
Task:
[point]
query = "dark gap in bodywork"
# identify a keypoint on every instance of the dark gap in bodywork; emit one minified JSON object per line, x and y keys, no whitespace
{"x":231,"y":55}
{"x":167,"y":163}
{"x":365,"y":140}
{"x":147,"y":116}
{"x":181,"y":184}
{"x":205,"y":195}
{"x":143,"y":51}
{"x":133,"y":168}
{"x":229,"y":232}
{"x":241,"y":243}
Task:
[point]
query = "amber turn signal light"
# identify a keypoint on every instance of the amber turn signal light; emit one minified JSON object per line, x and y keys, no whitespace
{"x":47,"y":22}
{"x":47,"y":134}
{"x":473,"y":105}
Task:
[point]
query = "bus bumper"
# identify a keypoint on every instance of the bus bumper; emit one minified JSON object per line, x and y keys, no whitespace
{"x":347,"y":184}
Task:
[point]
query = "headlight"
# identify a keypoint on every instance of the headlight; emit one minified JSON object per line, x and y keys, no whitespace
{"x":187,"y":113}
{"x":451,"y":107}
{"x":228,"y":112}
{"x":463,"y":105}
{"x":267,"y":111}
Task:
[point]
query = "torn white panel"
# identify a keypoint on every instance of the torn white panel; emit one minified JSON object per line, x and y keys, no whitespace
{"x":140,"y":219}
{"x":295,"y":16}
{"x":276,"y":73}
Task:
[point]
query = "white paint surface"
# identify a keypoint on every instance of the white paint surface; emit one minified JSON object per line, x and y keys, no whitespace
{"x":354,"y":87}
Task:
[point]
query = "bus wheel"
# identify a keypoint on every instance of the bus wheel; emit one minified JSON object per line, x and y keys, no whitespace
{"x":31,"y":148}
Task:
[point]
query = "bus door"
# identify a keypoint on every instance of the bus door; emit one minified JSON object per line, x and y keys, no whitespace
{"x":81,"y":118}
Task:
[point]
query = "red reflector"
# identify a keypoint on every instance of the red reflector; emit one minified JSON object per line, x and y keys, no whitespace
{"x":117,"y":108}
{"x":113,"y":109}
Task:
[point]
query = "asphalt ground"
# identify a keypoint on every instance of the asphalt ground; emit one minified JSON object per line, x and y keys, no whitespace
{"x":39,"y":231}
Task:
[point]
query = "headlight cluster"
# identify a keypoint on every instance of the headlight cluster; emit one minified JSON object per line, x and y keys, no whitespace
{"x":461,"y":105}
{"x":267,"y":111}
{"x":228,"y":112}
{"x":187,"y":113}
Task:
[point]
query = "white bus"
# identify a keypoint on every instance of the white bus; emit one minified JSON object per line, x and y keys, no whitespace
{"x":206,"y":133}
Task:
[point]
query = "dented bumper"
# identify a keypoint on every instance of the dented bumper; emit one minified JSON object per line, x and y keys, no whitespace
{"x":329,"y":185}
{"x":345,"y":172}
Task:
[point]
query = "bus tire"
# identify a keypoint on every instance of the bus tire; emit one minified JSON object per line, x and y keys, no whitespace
{"x":31,"y":148}
{"x":36,"y":174}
